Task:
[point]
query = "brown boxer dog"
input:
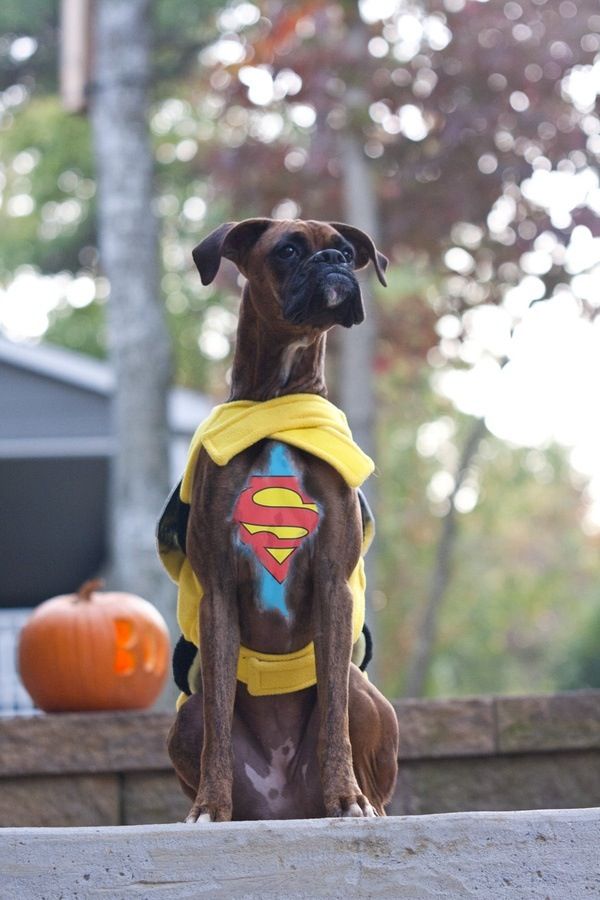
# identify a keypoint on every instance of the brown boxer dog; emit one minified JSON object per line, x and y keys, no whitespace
{"x":331,"y":749}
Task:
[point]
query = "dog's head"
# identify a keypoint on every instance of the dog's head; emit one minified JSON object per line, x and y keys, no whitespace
{"x":302,"y":272}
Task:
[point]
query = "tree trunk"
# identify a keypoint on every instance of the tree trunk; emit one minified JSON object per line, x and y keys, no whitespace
{"x":427,"y":629}
{"x":138,"y":339}
{"x":356,"y":346}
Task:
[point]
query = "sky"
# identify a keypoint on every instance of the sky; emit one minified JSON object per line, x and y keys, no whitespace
{"x":548,"y":390}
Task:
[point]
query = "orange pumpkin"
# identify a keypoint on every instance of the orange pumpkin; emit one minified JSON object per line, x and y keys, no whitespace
{"x":94,"y":650}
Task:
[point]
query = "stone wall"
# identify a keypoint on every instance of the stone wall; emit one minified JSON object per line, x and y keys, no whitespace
{"x":499,"y":753}
{"x":487,"y":753}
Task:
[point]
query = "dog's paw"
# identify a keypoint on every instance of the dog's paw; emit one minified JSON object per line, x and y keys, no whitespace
{"x":202,"y":814}
{"x":201,"y":819}
{"x":355,"y":811}
{"x":351,"y":806}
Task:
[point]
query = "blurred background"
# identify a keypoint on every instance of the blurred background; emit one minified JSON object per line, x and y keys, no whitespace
{"x":465,"y":136}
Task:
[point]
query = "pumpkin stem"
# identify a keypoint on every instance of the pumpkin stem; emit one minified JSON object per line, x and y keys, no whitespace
{"x":87,"y":589}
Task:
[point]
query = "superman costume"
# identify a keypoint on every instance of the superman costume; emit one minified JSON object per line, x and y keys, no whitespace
{"x":305,"y":421}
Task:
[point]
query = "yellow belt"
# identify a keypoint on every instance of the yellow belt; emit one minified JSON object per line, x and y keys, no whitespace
{"x":265,"y":674}
{"x":277,"y":673}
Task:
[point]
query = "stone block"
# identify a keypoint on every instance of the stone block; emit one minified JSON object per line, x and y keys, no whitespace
{"x":568,"y":721}
{"x":84,"y":742}
{"x":435,"y":728}
{"x":523,"y":781}
{"x":60,"y":800}
{"x":153,"y":797}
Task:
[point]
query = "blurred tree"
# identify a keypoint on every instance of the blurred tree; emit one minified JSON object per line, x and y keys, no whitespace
{"x":137,"y":335}
{"x":580,"y":665}
{"x":466,"y":116}
{"x":455,"y":112}
{"x":454,"y":109}
{"x":356,"y":392}
{"x":47,"y":218}
{"x":461,"y":109}
{"x":426,"y":630}
{"x":524,"y":582}
{"x":29,"y":44}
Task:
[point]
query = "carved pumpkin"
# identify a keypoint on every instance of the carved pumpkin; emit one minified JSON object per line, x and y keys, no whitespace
{"x":94,"y":650}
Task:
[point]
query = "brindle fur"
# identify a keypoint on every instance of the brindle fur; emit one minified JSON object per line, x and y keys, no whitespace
{"x":327,"y":750}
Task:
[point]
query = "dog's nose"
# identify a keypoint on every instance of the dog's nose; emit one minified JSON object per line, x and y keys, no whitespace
{"x":332,"y":257}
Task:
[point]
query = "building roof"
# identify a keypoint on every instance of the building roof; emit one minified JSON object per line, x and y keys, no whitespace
{"x":56,"y":443}
{"x":56,"y":401}
{"x":59,"y":364}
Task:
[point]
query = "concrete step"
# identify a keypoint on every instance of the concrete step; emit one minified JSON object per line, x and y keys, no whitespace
{"x":542,"y":854}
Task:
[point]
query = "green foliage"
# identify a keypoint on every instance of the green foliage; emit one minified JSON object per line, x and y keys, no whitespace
{"x":524,"y":582}
{"x":177,"y":19}
{"x":516,"y":614}
{"x":57,"y":148}
{"x":182,"y":29}
{"x":26,"y":16}
{"x":579,"y":666}
{"x":36,"y":19}
{"x":82,"y":330}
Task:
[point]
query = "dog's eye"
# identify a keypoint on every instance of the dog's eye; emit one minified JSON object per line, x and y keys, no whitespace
{"x":287,"y":251}
{"x":348,"y":254}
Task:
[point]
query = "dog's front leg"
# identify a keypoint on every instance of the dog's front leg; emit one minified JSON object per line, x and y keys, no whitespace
{"x":333,"y":648}
{"x":219,"y":650}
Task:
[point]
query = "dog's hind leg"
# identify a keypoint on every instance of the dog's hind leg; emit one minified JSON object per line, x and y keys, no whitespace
{"x":184,"y":744}
{"x":374,"y":738}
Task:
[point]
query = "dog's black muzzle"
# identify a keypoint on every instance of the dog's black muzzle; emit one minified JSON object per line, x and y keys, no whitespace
{"x":324,"y":292}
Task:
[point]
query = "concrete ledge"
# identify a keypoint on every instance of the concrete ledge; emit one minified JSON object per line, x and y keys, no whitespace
{"x":548,"y":854}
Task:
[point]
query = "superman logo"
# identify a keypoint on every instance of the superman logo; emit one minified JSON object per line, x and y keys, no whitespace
{"x":274,"y":517}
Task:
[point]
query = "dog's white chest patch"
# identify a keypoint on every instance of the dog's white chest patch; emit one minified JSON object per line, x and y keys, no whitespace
{"x":289,"y":356}
{"x":271,"y":785}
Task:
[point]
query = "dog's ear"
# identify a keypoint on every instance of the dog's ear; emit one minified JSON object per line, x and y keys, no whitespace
{"x":233,"y":240}
{"x":364,"y":248}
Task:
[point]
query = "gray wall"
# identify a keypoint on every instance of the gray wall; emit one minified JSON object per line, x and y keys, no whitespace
{"x":52,"y":526}
{"x":33,"y":406}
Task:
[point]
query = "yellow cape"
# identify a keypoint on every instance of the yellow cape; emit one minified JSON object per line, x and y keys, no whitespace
{"x":310,"y":423}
